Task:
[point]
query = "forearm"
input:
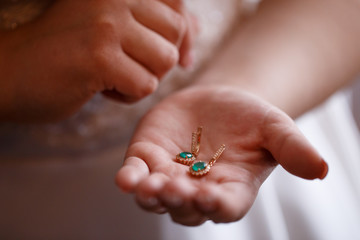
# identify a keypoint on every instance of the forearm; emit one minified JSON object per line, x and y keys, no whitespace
{"x":293,"y":54}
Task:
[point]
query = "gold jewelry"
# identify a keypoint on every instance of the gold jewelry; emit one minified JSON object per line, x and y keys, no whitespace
{"x":188,"y":158}
{"x":201,"y":168}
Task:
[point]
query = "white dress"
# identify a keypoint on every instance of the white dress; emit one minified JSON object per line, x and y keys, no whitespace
{"x":56,"y":182}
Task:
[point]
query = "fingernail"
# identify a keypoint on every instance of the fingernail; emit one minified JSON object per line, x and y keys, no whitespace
{"x":325,"y":170}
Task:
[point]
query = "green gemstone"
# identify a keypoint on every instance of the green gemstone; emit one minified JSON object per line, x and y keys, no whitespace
{"x":198,"y":166}
{"x":186,"y":155}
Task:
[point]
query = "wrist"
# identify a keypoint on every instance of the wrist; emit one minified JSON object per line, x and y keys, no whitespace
{"x":274,"y":91}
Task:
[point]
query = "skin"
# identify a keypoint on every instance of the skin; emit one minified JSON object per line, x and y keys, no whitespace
{"x":245,"y":99}
{"x":255,"y":134}
{"x":51,"y":66}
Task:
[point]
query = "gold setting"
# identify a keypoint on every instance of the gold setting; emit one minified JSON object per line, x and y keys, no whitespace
{"x":195,"y":149}
{"x":201,"y":168}
{"x":185,"y":161}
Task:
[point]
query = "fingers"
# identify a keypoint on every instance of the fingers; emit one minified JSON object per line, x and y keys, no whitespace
{"x":226,"y":202}
{"x":123,"y":75}
{"x":140,"y":162}
{"x":131,"y":174}
{"x":151,"y":50}
{"x":178,"y":197}
{"x":120,"y":97}
{"x":192,"y":201}
{"x":291,"y":149}
{"x":147,"y":192}
{"x":177,"y":5}
{"x":130,"y":60}
{"x":160,"y":18}
{"x":186,"y":53}
{"x":180,"y":27}
{"x":192,"y":28}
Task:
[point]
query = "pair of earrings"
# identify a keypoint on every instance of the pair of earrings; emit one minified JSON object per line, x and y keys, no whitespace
{"x":198,"y":168}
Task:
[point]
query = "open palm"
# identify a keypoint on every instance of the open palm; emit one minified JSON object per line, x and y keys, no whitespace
{"x":257,"y":136}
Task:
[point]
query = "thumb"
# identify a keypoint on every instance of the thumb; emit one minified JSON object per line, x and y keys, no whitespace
{"x":291,"y":149}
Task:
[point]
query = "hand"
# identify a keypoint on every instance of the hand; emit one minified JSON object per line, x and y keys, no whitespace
{"x":257,"y":136}
{"x":53,"y":65}
{"x":188,"y":24}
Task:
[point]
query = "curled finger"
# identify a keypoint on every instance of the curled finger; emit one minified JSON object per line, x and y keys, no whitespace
{"x":131,"y":173}
{"x":148,"y":190}
{"x":227,"y":202}
{"x":178,"y":197}
{"x":160,"y":18}
{"x":150,"y":50}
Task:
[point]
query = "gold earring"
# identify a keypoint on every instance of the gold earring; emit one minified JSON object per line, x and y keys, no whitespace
{"x":188,"y":158}
{"x":201,"y":168}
